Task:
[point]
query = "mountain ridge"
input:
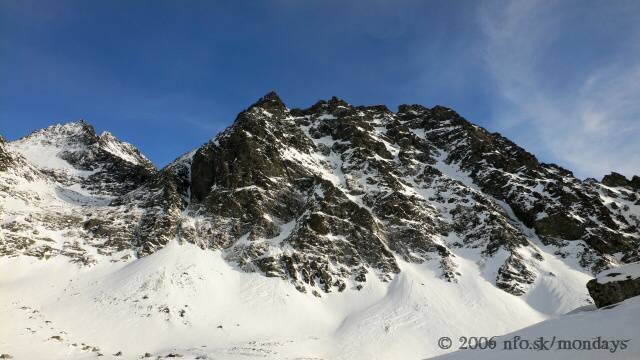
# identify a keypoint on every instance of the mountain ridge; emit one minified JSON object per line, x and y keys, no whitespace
{"x":335,"y":232}
{"x":362,"y":174}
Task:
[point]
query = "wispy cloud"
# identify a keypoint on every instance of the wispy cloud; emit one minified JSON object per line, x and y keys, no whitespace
{"x":585,"y":116}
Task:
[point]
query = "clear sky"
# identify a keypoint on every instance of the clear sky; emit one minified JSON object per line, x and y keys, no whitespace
{"x":560,"y":78}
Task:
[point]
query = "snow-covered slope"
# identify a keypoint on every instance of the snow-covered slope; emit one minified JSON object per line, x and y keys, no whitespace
{"x":589,"y":334}
{"x":335,"y":232}
{"x":627,"y":272}
{"x":60,"y":184}
{"x":187,"y":301}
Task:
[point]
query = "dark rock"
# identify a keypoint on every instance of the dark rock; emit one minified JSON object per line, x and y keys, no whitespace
{"x":561,"y":226}
{"x":613,"y":292}
{"x":615,"y":180}
{"x":6,"y":159}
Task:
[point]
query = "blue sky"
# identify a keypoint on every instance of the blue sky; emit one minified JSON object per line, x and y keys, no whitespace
{"x":560,"y":78}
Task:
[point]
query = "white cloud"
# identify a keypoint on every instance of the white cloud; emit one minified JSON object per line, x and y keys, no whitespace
{"x":590,"y":122}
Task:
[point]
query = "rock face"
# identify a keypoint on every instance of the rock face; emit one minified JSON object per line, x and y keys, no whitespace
{"x":5,"y":157}
{"x":324,"y":197}
{"x":615,"y":285}
{"x":618,"y":180}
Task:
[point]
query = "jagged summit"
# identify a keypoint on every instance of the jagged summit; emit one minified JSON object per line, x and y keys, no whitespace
{"x":76,"y":136}
{"x":73,"y":153}
{"x":269,"y":98}
{"x":332,"y":103}
{"x":270,"y":102}
{"x":273,"y":101}
{"x":123,"y":150}
{"x":78,"y":131}
{"x":334,"y":195}
{"x":615,"y":179}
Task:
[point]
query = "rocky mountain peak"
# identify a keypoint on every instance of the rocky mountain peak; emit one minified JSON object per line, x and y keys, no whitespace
{"x":123,"y":150}
{"x":73,"y":153}
{"x":336,"y":102}
{"x":615,"y":179}
{"x":330,"y":196}
{"x":334,"y":106}
{"x":271,"y":103}
{"x":412,"y":109}
{"x":258,"y":171}
{"x":77,"y":137}
{"x":74,"y":132}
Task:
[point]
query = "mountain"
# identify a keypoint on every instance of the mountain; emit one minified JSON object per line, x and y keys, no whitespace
{"x":353,"y":224}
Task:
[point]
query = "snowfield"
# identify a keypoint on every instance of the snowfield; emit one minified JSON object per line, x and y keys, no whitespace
{"x":626,"y":272}
{"x":183,"y":300}
{"x":608,"y":333}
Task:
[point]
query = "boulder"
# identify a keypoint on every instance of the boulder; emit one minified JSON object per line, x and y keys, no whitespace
{"x":615,"y":285}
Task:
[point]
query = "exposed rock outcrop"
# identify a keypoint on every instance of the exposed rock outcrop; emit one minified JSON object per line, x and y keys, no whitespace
{"x":615,"y":285}
{"x":326,"y":197}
